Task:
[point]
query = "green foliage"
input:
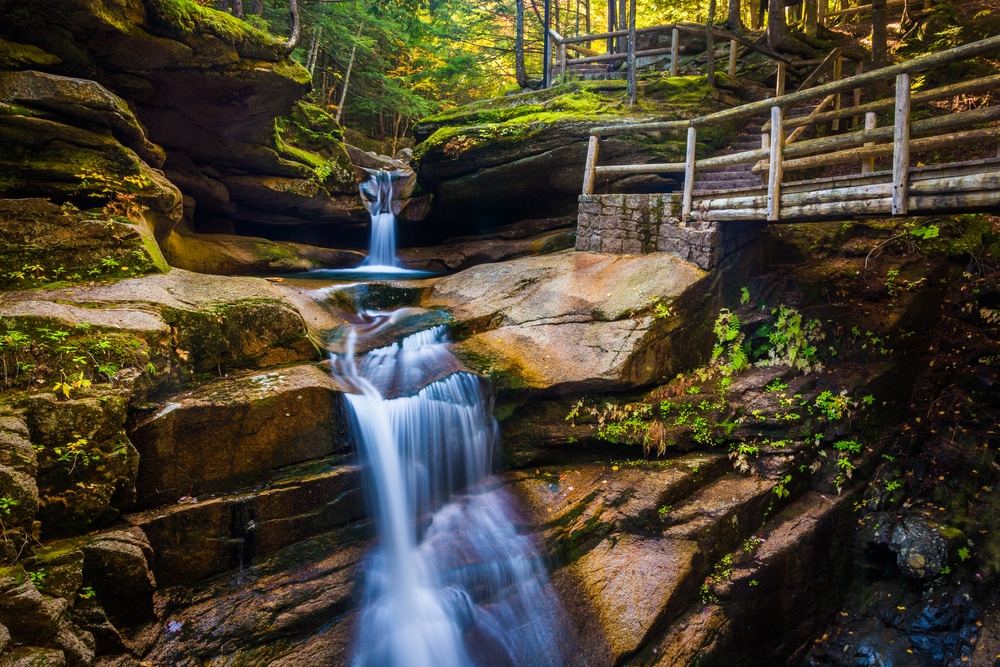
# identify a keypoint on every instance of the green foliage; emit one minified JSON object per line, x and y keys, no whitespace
{"x":729,"y":355}
{"x":7,"y":504}
{"x":78,"y":356}
{"x":792,"y":342}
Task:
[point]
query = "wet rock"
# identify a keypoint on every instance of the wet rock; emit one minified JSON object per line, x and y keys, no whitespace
{"x":82,"y":101}
{"x":921,"y":550}
{"x":292,"y":609}
{"x":117,"y":566}
{"x":231,"y":254}
{"x":65,"y":245}
{"x":31,"y":617}
{"x":200,"y":537}
{"x":87,"y":466}
{"x":4,"y":637}
{"x":30,"y":656}
{"x":235,"y":432}
{"x":62,"y":565}
{"x":90,"y":616}
{"x":568,"y":321}
{"x":20,"y":493}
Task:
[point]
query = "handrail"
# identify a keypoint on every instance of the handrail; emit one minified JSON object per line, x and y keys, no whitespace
{"x":855,"y":146}
{"x":747,"y":110}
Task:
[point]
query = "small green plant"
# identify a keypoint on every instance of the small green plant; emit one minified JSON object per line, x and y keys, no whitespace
{"x":664,"y":510}
{"x":729,"y":355}
{"x":37,"y":578}
{"x":780,"y":489}
{"x":776,"y":385}
{"x":7,"y":504}
{"x":964,"y":554}
{"x":794,"y":342}
{"x":744,"y":296}
{"x":87,"y":592}
{"x":75,"y":452}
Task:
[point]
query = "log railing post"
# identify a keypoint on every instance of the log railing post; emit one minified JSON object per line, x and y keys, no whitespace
{"x":675,"y":39}
{"x":562,"y":62}
{"x":732,"y":59}
{"x":593,"y":148}
{"x":838,"y":73}
{"x":775,"y":166}
{"x":901,"y":145}
{"x":859,"y":69}
{"x":821,"y":12}
{"x":868,"y":164}
{"x":765,"y":145}
{"x":779,"y":83}
{"x":692,"y":140}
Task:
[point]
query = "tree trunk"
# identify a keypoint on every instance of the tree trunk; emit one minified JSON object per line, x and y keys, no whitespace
{"x":734,"y":21}
{"x":778,"y":37}
{"x":347,"y":75}
{"x":520,"y":72}
{"x":296,"y":28}
{"x":238,"y":8}
{"x":710,"y":41}
{"x":880,"y":50}
{"x":222,"y":5}
{"x":257,"y":7}
{"x":811,"y":18}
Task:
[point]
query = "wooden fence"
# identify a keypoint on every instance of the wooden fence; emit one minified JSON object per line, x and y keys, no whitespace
{"x":783,"y":151}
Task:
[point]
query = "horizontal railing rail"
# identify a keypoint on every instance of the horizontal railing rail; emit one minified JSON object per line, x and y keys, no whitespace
{"x":780,"y":152}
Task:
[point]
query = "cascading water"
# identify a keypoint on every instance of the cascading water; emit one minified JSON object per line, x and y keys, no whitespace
{"x":379,"y":194}
{"x":451,"y":583}
{"x":382,"y":249}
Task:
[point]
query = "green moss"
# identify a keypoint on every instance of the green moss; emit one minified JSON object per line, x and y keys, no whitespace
{"x":185,"y":17}
{"x":15,"y":56}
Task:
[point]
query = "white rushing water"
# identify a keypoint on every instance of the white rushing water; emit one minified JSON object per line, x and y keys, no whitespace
{"x":451,"y":583}
{"x":382,"y":248}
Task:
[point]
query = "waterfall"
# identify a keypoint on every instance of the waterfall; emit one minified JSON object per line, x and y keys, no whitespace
{"x":378,"y":194}
{"x":451,"y":582}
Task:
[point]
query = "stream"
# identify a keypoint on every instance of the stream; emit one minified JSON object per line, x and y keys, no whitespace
{"x":451,"y":582}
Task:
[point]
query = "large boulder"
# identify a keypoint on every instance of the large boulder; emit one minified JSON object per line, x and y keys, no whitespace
{"x":569,"y":321}
{"x":230,"y":434}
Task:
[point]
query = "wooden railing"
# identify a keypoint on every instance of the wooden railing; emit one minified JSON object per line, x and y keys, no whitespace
{"x":565,"y":44}
{"x":780,"y":153}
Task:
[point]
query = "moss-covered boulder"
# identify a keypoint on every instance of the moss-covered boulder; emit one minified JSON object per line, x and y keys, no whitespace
{"x":86,"y":464}
{"x":206,"y":87}
{"x":47,"y":244}
{"x":522,"y":156}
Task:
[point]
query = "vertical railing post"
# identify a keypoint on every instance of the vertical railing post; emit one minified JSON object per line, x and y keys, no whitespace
{"x":859,"y":69}
{"x":675,"y":38}
{"x":821,"y":12}
{"x":692,"y":142}
{"x":546,"y":50}
{"x":633,"y":74}
{"x":732,"y":58}
{"x":765,"y":145}
{"x":562,"y":62}
{"x":589,"y":174}
{"x":775,"y":167}
{"x":838,"y":74}
{"x":868,"y":163}
{"x":901,"y":145}
{"x":779,"y":83}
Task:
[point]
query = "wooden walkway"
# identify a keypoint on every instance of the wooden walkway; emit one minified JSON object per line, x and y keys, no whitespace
{"x":848,"y":140}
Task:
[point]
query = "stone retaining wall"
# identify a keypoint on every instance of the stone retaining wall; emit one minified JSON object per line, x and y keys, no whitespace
{"x":640,"y":224}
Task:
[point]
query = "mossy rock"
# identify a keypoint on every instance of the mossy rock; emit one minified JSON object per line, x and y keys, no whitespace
{"x":249,"y":333}
{"x":87,"y":466}
{"x":14,"y":56}
{"x":48,"y":245}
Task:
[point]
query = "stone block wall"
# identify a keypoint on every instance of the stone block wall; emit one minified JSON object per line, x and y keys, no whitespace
{"x":638,"y":224}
